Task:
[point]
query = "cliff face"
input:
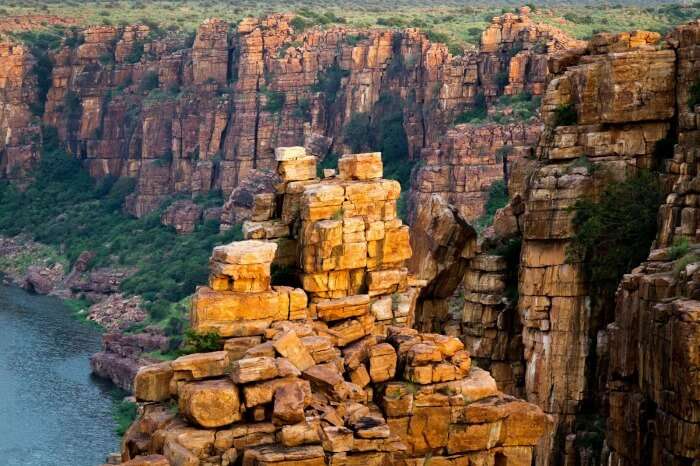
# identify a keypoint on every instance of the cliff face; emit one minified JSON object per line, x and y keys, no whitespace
{"x":606,"y":111}
{"x":20,"y":134}
{"x":654,"y":391}
{"x":184,"y":117}
{"x":330,"y":373}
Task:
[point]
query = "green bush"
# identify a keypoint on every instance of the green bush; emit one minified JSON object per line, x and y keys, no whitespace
{"x":356,"y":130}
{"x":476,"y":112}
{"x":201,"y":342}
{"x":694,"y":95}
{"x":124,"y":413}
{"x":679,"y":248}
{"x":565,"y":115}
{"x":148,"y":82}
{"x":136,"y":53}
{"x":274,"y":101}
{"x":329,"y":82}
{"x":329,"y":161}
{"x":303,"y":109}
{"x":614,"y":234}
{"x":497,"y":198}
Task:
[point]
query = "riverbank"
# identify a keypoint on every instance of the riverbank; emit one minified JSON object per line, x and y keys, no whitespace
{"x":51,"y":407}
{"x":93,"y":298}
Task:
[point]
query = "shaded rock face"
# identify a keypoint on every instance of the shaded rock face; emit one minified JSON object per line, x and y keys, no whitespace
{"x":183,"y":118}
{"x":622,"y":93}
{"x":653,"y":341}
{"x":306,"y":379}
{"x":463,"y":165}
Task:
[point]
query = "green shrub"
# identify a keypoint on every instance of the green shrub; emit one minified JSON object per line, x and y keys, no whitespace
{"x":477,"y":111}
{"x":565,"y":115}
{"x":124,"y":413}
{"x":329,"y":161}
{"x":614,"y":234}
{"x":329,"y":82}
{"x":201,"y":342}
{"x":356,"y":130}
{"x":303,"y":109}
{"x":136,"y":53}
{"x":148,"y":82}
{"x":497,"y":198}
{"x":694,"y":95}
{"x":274,"y":100}
{"x":679,"y":248}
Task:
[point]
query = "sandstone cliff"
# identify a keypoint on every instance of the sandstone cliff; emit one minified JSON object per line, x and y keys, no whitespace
{"x":194,"y":117}
{"x":607,"y":111}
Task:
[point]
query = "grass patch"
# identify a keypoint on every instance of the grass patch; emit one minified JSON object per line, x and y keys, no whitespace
{"x":124,"y":412}
{"x":679,"y":248}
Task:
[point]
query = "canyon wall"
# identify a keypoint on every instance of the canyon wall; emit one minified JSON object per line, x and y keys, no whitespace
{"x":608,"y":112}
{"x":193,"y":117}
{"x":654,"y":389}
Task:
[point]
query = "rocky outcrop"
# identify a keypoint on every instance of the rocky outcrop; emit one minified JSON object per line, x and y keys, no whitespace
{"x":443,"y":243}
{"x":123,"y":354}
{"x":463,"y":165}
{"x":310,"y":379}
{"x":621,"y":96}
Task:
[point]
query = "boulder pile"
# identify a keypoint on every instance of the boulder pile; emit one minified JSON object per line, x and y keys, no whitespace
{"x":330,"y":373}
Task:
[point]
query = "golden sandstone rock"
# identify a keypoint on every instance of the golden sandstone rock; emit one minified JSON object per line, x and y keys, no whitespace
{"x":309,"y":369}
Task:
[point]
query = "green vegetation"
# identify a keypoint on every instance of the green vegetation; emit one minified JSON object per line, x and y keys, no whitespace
{"x":201,"y":342}
{"x":614,"y":234}
{"x":497,"y":199}
{"x":68,"y":211}
{"x":679,"y":248}
{"x":329,"y":82}
{"x":123,"y":412}
{"x":329,"y":161}
{"x":458,"y":24}
{"x":694,"y":98}
{"x":384,"y":133}
{"x":507,"y":109}
{"x":274,"y":100}
{"x":477,"y":112}
{"x":565,"y":115}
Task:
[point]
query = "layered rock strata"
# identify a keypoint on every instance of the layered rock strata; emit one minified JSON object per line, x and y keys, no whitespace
{"x":653,"y":342}
{"x":305,"y":379}
{"x":463,"y":165}
{"x":622,"y":96}
{"x":130,"y":101}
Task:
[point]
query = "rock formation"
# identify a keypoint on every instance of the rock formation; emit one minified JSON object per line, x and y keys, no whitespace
{"x":327,"y":374}
{"x":181,"y":118}
{"x":463,"y":165}
{"x":20,"y":133}
{"x":654,"y":339}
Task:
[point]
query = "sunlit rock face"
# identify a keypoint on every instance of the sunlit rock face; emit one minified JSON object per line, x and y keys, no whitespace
{"x":191,"y":117}
{"x":329,"y":373}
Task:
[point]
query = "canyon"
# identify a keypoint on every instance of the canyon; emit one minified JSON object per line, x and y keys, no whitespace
{"x":528,"y":360}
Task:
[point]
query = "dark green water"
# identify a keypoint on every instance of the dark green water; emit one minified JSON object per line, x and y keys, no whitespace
{"x":52,"y":412}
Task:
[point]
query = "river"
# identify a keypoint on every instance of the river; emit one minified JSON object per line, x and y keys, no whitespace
{"x":52,"y":411}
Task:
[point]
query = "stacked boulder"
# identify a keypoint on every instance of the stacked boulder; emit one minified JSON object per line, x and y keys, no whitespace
{"x":313,"y":376}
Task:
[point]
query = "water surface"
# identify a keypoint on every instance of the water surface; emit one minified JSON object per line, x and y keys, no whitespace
{"x":52,"y":411}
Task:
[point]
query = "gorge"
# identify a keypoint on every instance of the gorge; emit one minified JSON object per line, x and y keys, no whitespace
{"x":504,"y":241}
